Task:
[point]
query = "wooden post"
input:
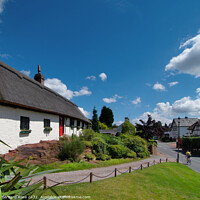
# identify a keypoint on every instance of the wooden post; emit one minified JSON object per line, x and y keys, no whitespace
{"x":45,"y":182}
{"x":154,"y":162}
{"x":160,"y":160}
{"x":129,"y":169}
{"x":91,"y":177}
{"x":166,"y":159}
{"x":148,"y":164}
{"x":115,"y":172}
{"x":141,"y":166}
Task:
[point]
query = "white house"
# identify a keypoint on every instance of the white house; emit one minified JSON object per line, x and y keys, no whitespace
{"x":183,"y":124}
{"x":195,"y":128}
{"x":30,"y":112}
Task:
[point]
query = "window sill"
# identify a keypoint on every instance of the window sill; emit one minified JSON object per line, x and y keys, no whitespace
{"x":25,"y":131}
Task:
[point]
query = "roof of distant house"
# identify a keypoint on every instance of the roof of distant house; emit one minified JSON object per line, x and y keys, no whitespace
{"x":193,"y":125}
{"x":17,"y":89}
{"x":185,"y":121}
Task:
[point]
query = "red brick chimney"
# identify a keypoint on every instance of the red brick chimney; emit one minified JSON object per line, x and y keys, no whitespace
{"x":39,"y":77}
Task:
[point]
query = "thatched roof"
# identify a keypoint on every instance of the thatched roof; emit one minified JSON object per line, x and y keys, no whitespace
{"x":185,"y":122}
{"x":17,"y":89}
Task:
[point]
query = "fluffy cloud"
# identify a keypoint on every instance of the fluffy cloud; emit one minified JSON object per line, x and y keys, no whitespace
{"x":2,"y":3}
{"x":136,"y":101}
{"x":188,"y":61}
{"x":112,"y":99}
{"x":165,"y":112}
{"x":103,"y":76}
{"x":93,"y":78}
{"x":83,"y":91}
{"x":86,"y":113}
{"x":173,"y":83}
{"x":59,"y":87}
{"x":27,"y":73}
{"x":159,"y":87}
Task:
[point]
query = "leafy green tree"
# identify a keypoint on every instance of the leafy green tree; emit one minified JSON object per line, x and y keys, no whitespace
{"x":106,"y":116}
{"x":103,"y":126}
{"x":128,"y":128}
{"x":95,"y":123}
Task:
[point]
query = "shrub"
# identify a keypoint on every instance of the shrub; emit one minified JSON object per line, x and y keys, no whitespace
{"x":87,"y":134}
{"x":118,"y":151}
{"x":135,"y":143}
{"x":142,"y":154}
{"x":98,"y":146}
{"x":71,"y":149}
{"x":128,"y":128}
{"x":111,"y":140}
{"x":103,"y":157}
{"x":131,"y":154}
{"x":89,"y":156}
{"x":87,"y":143}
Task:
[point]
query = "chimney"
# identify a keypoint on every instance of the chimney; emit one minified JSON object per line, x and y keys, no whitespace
{"x":126,"y":118}
{"x":39,"y":77}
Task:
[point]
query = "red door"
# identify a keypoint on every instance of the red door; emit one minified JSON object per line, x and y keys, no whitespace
{"x":61,"y":126}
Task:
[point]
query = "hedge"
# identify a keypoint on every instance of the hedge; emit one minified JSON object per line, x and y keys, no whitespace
{"x":191,"y":143}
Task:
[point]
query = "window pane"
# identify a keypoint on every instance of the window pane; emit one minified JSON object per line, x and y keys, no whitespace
{"x":24,"y":123}
{"x":47,"y":123}
{"x":71,"y":122}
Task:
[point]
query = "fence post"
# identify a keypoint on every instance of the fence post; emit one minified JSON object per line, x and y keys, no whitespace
{"x":148,"y":164}
{"x":160,"y":160}
{"x":45,"y":182}
{"x":91,"y":175}
{"x":141,"y":166}
{"x":129,"y":169}
{"x":166,"y":159}
{"x":115,"y":172}
{"x":154,"y":162}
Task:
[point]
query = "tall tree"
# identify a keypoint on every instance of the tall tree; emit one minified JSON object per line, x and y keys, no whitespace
{"x":106,"y":116}
{"x":95,"y":123}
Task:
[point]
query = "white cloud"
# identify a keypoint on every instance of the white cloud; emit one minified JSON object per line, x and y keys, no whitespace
{"x":59,"y":87}
{"x":159,"y":87}
{"x":2,"y":3}
{"x":187,"y":62}
{"x":103,"y":76}
{"x":86,"y":113}
{"x":93,"y":78}
{"x":27,"y":73}
{"x":4,"y":55}
{"x":118,"y":123}
{"x":136,"y":101}
{"x":165,"y":112}
{"x":83,"y":91}
{"x":112,"y":99}
{"x":173,"y":83}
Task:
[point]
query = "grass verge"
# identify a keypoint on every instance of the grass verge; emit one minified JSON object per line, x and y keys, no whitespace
{"x":163,"y":182}
{"x":65,"y":167}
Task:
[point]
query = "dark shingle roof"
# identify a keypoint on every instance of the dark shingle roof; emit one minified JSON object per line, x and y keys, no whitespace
{"x":193,"y":125}
{"x":20,"y":90}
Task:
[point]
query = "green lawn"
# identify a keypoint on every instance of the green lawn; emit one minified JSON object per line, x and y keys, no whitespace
{"x":65,"y":167}
{"x":162,"y":181}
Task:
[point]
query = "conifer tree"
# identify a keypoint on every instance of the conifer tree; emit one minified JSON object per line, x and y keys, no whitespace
{"x":95,"y":123}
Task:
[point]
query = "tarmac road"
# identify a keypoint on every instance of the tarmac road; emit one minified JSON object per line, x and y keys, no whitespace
{"x":170,"y":151}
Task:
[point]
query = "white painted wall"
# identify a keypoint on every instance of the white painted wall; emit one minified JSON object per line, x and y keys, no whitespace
{"x":10,"y":127}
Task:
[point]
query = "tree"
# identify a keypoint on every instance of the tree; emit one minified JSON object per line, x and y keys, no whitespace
{"x":150,"y":128}
{"x":128,"y":127}
{"x":103,"y":126}
{"x":95,"y":123}
{"x":106,"y":116}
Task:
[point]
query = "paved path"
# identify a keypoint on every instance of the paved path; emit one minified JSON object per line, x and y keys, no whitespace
{"x":170,"y":151}
{"x":74,"y":176}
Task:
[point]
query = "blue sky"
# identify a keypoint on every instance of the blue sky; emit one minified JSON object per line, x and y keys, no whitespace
{"x":135,"y":57}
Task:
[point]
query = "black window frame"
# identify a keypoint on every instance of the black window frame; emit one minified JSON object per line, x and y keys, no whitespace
{"x":24,"y":123}
{"x":47,"y":123}
{"x":71,"y":122}
{"x":78,"y":123}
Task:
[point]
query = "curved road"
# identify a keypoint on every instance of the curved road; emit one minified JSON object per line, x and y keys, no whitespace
{"x":170,"y":151}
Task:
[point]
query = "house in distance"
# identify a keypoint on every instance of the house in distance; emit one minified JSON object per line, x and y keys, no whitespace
{"x":30,"y":112}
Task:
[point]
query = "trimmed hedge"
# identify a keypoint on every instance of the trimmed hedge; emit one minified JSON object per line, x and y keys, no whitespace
{"x":191,"y":143}
{"x":118,"y":151}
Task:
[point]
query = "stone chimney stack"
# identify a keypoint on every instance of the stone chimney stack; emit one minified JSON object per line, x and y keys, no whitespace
{"x":39,"y":77}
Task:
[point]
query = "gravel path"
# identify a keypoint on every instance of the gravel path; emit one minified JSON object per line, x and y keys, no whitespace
{"x":76,"y":176}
